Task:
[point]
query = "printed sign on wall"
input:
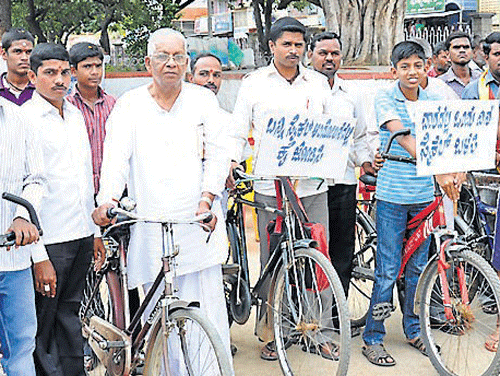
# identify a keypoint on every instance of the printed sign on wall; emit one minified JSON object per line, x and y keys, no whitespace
{"x":454,"y":136}
{"x":303,"y":145}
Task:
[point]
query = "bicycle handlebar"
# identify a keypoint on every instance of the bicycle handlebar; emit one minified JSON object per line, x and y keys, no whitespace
{"x":124,"y":215}
{"x":398,"y":158}
{"x":7,"y":240}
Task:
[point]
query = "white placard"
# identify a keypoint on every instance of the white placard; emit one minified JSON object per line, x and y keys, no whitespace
{"x":454,"y":136}
{"x":296,"y":144}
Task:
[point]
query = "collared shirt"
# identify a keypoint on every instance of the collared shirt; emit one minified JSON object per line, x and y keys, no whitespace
{"x":67,"y":207}
{"x":397,"y":182}
{"x":471,"y":91}
{"x":264,"y":91}
{"x":21,"y":173}
{"x":95,"y":121}
{"x":455,"y":82}
{"x":475,"y":67}
{"x":438,"y":88}
{"x":347,"y":102}
{"x":167,"y":159}
{"x":21,"y":97}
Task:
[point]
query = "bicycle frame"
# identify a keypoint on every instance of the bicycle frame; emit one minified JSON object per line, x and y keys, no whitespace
{"x":281,"y":254}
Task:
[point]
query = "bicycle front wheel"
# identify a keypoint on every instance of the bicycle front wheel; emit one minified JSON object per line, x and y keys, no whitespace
{"x":193,"y":347}
{"x":311,"y":319}
{"x":459,"y":346}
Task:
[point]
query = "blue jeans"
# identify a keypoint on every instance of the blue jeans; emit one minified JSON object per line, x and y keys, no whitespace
{"x":391,"y":227}
{"x":17,"y":322}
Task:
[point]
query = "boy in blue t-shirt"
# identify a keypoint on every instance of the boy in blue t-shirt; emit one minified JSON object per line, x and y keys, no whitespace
{"x":401,"y":195}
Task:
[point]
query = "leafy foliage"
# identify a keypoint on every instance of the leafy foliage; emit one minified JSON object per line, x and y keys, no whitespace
{"x":147,"y":16}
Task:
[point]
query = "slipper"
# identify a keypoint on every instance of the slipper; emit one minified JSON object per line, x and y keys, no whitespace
{"x":491,"y":343}
{"x":377,"y":355}
{"x":327,"y":350}
{"x":418,"y":344}
{"x":268,"y":352}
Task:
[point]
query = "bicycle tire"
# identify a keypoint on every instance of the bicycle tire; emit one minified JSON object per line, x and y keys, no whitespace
{"x":309,"y":310}
{"x":238,"y":299}
{"x":189,"y":321}
{"x":458,"y":348}
{"x":361,"y":284}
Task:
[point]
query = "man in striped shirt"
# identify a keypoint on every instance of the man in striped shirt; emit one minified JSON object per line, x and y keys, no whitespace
{"x":21,"y":173}
{"x":86,"y":61}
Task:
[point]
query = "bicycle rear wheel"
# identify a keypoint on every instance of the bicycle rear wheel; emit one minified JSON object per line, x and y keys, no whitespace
{"x":458,"y":347}
{"x":102,"y":297}
{"x":194,"y":347}
{"x":363,"y":275}
{"x":310,"y":316}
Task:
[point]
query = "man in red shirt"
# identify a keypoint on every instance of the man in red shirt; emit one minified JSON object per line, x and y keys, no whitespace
{"x":440,"y":60}
{"x":95,"y":104}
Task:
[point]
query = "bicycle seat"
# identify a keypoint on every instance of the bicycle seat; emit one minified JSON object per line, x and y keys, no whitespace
{"x":368,"y":179}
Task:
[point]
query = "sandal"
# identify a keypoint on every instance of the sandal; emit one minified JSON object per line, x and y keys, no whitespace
{"x":327,"y":350}
{"x":377,"y":355}
{"x":491,"y":343}
{"x":268,"y":352}
{"x":418,"y":344}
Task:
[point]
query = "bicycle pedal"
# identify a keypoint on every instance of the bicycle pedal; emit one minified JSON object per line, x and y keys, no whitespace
{"x":382,"y":311}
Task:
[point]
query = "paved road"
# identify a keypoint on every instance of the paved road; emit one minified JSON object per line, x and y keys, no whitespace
{"x":247,"y":361}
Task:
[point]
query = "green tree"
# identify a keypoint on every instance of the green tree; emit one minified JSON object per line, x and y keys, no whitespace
{"x":54,"y":20}
{"x":146,"y":16}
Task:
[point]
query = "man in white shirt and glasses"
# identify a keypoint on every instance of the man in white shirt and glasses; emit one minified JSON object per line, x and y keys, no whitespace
{"x":285,"y":84}
{"x":21,"y":173}
{"x":65,"y":213}
{"x":165,"y":141}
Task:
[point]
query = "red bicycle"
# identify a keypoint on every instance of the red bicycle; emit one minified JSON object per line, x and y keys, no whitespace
{"x":454,"y":294}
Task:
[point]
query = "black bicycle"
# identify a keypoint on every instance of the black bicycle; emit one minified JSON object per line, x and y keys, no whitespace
{"x":306,"y":302}
{"x":176,"y":339}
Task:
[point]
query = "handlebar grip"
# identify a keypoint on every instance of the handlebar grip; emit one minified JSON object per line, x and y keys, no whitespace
{"x":237,"y":173}
{"x":398,"y":158}
{"x":8,"y":240}
{"x":21,"y":201}
{"x":111,"y":213}
{"x":208,"y":218}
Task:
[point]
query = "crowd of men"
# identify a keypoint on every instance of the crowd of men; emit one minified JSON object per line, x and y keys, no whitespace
{"x":172,"y":146}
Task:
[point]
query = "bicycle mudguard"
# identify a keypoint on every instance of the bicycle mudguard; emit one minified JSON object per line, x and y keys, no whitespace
{"x":433,"y":259}
{"x":182,"y":304}
{"x":305,"y":243}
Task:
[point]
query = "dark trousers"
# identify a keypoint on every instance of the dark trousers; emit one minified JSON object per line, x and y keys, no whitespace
{"x":59,"y":341}
{"x":342,"y":220}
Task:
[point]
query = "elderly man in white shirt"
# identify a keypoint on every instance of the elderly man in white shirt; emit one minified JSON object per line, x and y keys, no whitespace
{"x":21,"y":173}
{"x":165,"y":142}
{"x":65,"y":213}
{"x":325,"y":52}
{"x":284,"y":85}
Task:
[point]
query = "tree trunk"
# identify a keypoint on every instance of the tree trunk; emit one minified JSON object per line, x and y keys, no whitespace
{"x":35,"y":27}
{"x":264,"y":7}
{"x":104,"y":38}
{"x":368,"y":28}
{"x":5,"y":16}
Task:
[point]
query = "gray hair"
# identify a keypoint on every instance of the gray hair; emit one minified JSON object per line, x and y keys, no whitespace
{"x":159,"y":35}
